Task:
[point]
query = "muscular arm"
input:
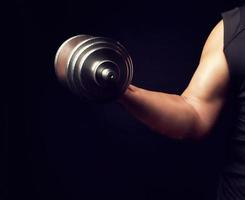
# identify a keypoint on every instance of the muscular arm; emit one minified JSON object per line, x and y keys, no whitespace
{"x":194,"y":112}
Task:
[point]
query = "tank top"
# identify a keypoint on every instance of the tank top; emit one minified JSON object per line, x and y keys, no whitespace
{"x":232,"y":182}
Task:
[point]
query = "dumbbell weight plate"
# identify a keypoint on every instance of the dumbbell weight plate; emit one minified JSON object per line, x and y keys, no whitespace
{"x":96,"y":68}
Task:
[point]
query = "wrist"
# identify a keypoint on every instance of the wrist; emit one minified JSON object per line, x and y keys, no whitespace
{"x":129,"y":92}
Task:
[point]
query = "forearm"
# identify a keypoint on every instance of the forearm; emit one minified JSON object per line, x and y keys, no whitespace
{"x":167,"y":114}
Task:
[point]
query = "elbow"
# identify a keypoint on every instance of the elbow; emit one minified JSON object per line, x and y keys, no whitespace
{"x":199,"y":132}
{"x":198,"y":135}
{"x":193,"y":135}
{"x":195,"y":131}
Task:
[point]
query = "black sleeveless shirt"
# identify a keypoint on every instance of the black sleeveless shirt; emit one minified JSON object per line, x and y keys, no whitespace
{"x":232,"y":183}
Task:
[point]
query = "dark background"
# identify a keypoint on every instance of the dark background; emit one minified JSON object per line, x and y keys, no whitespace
{"x":58,"y":147}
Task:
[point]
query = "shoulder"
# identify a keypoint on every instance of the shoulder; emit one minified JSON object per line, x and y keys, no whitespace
{"x":215,"y":40}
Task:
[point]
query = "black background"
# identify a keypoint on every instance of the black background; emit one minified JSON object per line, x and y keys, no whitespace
{"x":59,"y":147}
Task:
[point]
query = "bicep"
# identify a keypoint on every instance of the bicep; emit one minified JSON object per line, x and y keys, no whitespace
{"x":207,"y":89}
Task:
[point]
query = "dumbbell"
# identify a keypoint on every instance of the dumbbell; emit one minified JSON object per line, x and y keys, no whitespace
{"x":96,"y":68}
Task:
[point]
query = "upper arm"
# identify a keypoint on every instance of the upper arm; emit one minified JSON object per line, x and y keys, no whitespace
{"x":207,"y":89}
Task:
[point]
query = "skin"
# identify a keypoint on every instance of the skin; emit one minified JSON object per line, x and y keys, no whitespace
{"x":193,"y":113}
